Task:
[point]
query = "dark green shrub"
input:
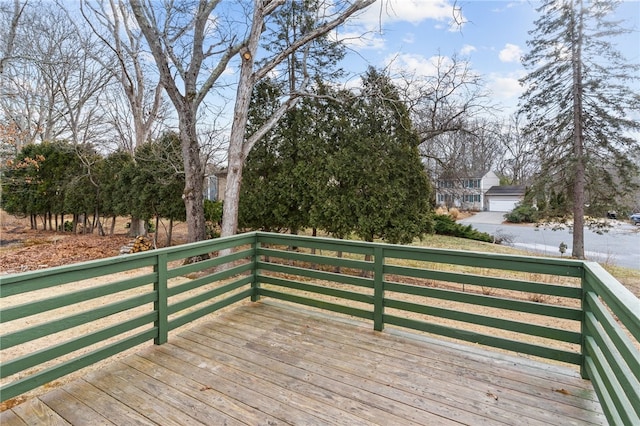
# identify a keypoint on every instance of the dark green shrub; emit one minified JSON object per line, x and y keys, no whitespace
{"x":445,"y":225}
{"x":213,"y":218}
{"x":523,"y":214}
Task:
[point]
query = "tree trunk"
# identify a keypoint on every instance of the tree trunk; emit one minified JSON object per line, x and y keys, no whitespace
{"x":100,"y":228}
{"x":578,"y":135}
{"x":194,"y":176}
{"x":113,"y":225}
{"x":170,"y":232}
{"x":232,"y":194}
{"x":238,"y":128}
{"x":99,"y":223}
{"x":155,"y":234}
{"x":137,"y":227}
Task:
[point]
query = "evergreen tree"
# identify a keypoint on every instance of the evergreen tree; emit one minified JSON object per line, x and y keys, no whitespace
{"x":378,"y":184}
{"x":341,"y":161}
{"x":159,"y":179}
{"x":280,"y":174}
{"x":259,"y":194}
{"x":114,"y":194}
{"x":35,"y":183}
{"x":578,"y":93}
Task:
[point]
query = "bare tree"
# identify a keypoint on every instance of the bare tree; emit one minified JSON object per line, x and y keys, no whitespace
{"x":462,"y":155}
{"x":125,"y":40}
{"x":520,"y":162}
{"x":191,"y":53}
{"x":450,"y":109}
{"x":192,"y":49}
{"x":54,"y":87}
{"x":114,"y":25}
{"x":9,"y":29}
{"x":448,"y":99}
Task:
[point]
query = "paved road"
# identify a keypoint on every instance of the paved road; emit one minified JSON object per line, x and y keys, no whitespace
{"x":619,"y":246}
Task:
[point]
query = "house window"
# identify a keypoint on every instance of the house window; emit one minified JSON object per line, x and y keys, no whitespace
{"x":471,"y":183}
{"x":471,"y":198}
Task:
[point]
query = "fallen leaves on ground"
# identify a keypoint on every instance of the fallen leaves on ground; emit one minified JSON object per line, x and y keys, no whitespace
{"x":27,"y":250}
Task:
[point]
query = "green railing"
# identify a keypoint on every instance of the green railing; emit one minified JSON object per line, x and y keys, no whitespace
{"x":611,"y":359}
{"x":559,"y":309}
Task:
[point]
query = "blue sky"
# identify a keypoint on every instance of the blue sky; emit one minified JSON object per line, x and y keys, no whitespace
{"x":492,"y":39}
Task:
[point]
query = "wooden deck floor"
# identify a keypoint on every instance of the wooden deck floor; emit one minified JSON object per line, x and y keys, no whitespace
{"x":267,"y":364}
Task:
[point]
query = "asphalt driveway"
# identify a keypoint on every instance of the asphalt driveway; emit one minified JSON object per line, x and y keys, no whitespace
{"x":494,"y":218}
{"x":618,"y":245}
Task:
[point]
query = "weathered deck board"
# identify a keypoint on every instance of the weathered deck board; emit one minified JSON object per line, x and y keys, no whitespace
{"x":403,"y":357}
{"x":270,"y":364}
{"x":466,"y":395}
{"x":36,"y":411}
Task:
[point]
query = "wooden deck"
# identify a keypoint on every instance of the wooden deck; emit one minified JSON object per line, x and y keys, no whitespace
{"x":269,"y":364}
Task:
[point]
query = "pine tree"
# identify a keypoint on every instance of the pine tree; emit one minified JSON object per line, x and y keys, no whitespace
{"x":578,"y":93}
{"x":378,"y":187}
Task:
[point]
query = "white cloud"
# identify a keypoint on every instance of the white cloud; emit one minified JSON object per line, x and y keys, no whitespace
{"x":359,"y":40}
{"x":415,"y":64}
{"x":414,"y":11}
{"x":409,"y":38}
{"x":505,"y":89}
{"x":510,"y":53}
{"x":467,"y":49}
{"x":509,"y":5}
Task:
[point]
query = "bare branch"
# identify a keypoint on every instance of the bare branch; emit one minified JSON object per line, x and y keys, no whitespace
{"x":10,"y":40}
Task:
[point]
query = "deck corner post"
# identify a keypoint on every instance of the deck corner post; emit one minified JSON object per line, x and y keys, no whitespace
{"x":255,"y":283}
{"x":378,"y":288}
{"x":583,"y":325}
{"x":161,"y":303}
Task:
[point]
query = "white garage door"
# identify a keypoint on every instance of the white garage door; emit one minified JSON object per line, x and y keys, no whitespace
{"x":502,"y":204}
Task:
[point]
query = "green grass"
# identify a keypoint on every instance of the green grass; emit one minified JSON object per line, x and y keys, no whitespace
{"x":629,"y":277}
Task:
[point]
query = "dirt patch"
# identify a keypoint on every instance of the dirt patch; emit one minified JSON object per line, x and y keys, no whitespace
{"x":24,"y":249}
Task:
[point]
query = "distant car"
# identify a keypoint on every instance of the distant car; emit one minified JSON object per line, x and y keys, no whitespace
{"x":635,"y":218}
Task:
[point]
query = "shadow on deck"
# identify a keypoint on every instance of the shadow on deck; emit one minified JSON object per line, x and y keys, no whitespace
{"x":271,"y":363}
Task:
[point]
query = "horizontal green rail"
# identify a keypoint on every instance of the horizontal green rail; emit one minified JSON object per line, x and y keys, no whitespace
{"x":560,"y":309}
{"x":611,"y":332}
{"x":606,"y":316}
{"x":140,"y":298}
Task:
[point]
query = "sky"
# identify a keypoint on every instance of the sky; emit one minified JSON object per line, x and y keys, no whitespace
{"x":409,"y":33}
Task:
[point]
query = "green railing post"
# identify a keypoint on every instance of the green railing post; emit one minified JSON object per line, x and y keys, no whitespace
{"x":378,"y":288}
{"x":583,"y":325}
{"x":255,"y":284}
{"x":160,"y":305}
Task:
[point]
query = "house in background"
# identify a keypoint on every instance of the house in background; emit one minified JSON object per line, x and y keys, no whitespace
{"x":503,"y":198}
{"x":480,"y":193}
{"x":215,"y":185}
